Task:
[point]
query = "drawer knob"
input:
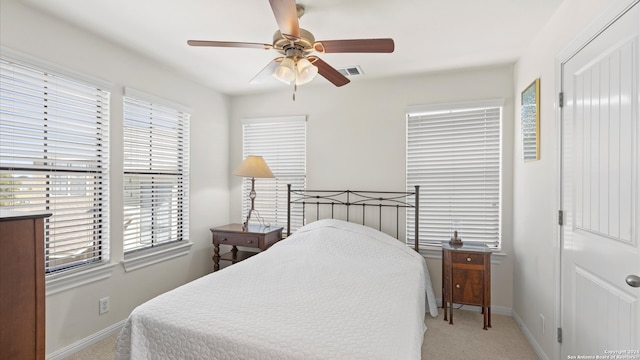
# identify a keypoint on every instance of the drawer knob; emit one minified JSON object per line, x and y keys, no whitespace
{"x":225,"y":239}
{"x":457,"y":286}
{"x":249,"y":241}
{"x":469,"y":259}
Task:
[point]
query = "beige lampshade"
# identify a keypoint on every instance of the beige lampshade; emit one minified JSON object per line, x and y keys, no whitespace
{"x":253,"y":166}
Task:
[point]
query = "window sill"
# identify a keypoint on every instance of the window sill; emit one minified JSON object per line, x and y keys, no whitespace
{"x":151,"y":257}
{"x":435,"y":252}
{"x":56,"y":283}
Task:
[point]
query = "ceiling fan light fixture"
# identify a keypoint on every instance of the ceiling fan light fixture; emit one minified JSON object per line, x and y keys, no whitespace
{"x":306,"y":71}
{"x":286,"y":71}
{"x":297,"y":45}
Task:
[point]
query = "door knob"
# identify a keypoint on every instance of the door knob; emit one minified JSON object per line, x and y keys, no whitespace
{"x":633,"y":280}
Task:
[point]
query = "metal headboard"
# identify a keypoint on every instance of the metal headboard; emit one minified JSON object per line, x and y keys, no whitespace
{"x":330,"y":200}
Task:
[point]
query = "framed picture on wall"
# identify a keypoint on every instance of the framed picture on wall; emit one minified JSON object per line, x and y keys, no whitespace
{"x":530,"y":118}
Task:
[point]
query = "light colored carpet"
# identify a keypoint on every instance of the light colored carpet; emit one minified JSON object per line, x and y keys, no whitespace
{"x":465,"y":339}
{"x":104,"y":350}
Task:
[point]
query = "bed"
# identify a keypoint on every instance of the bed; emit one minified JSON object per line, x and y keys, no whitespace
{"x":331,"y":290}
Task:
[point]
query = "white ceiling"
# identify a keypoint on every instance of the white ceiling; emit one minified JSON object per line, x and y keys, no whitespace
{"x":430,"y":35}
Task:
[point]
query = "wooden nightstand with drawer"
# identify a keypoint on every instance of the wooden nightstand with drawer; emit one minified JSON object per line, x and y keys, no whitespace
{"x":466,"y":279}
{"x":257,"y":237}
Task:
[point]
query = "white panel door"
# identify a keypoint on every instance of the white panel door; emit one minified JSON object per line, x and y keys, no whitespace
{"x":600,"y":311}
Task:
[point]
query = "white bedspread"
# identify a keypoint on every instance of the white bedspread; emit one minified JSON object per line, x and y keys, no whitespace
{"x":333,"y":290}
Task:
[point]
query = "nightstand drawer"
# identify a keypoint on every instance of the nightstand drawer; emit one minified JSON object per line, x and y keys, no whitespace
{"x":236,"y":239}
{"x":467,"y":258}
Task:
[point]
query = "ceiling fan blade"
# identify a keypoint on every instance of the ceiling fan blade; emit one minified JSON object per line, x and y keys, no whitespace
{"x":229,"y":44}
{"x":328,"y":72}
{"x":355,"y":46}
{"x":267,"y":72}
{"x":286,"y":16}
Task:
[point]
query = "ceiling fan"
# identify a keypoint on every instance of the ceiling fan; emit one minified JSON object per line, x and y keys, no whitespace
{"x":298,"y":65}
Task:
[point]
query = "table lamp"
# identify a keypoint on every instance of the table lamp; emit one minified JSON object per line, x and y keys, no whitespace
{"x":253,"y":167}
{"x":455,"y":240}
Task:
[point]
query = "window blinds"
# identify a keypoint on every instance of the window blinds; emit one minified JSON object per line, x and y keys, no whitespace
{"x":282,"y":144}
{"x":454,"y":155}
{"x":156,"y":168}
{"x":54,"y":137}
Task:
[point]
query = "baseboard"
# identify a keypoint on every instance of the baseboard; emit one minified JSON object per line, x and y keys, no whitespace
{"x":530,"y":338}
{"x":81,"y":344}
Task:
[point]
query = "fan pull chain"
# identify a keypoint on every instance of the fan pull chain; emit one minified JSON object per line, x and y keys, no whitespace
{"x":295,"y":88}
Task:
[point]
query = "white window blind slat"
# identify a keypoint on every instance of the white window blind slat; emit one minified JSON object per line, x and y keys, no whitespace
{"x":156,"y":168}
{"x":282,"y":144}
{"x":453,"y":153}
{"x":54,"y":138}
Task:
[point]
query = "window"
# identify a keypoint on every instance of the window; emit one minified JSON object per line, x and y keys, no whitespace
{"x":156,"y":168}
{"x":453,"y":153}
{"x":282,"y":142}
{"x":54,"y":137}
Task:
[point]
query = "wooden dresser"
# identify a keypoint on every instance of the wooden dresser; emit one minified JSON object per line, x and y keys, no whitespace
{"x":22,"y":285}
{"x":466,"y":279}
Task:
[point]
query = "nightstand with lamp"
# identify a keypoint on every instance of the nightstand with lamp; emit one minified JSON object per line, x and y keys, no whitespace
{"x":259,"y":236}
{"x":466,"y":276}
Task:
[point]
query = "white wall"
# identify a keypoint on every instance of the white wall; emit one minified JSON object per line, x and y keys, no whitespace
{"x":356,"y":137}
{"x":73,"y":314}
{"x":536,"y":184}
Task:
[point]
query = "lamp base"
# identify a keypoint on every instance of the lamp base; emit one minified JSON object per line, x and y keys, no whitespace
{"x":245,"y":224}
{"x":455,"y":240}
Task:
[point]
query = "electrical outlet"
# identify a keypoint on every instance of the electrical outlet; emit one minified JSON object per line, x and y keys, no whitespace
{"x":542,"y":323}
{"x":103,"y":305}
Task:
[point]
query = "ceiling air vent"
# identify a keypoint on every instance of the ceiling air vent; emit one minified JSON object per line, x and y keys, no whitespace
{"x":351,"y":71}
